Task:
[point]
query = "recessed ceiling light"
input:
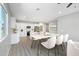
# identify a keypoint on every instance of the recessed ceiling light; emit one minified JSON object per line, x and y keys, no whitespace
{"x":59,"y":12}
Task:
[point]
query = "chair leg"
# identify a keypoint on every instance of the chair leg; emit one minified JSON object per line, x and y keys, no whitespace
{"x":65,"y":45}
{"x":65,"y":48}
{"x":62,"y":46}
{"x":55,"y":51}
{"x":32,"y":45}
{"x":48,"y":52}
{"x":58,"y":50}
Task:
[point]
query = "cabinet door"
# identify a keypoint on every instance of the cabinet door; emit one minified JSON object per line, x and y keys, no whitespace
{"x":52,"y":28}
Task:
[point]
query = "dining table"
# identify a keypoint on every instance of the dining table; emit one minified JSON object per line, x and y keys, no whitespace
{"x":38,"y":38}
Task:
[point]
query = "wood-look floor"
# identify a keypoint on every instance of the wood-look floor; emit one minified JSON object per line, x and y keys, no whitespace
{"x":23,"y":48}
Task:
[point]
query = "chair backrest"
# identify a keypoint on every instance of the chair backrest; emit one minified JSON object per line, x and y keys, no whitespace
{"x":59,"y":40}
{"x":72,"y":48}
{"x":47,"y":33}
{"x":52,"y":42}
{"x":65,"y":39}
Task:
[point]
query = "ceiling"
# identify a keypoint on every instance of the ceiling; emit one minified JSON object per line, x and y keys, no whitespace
{"x":41,"y":12}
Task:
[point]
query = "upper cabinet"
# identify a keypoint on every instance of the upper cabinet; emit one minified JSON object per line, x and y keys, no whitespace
{"x":53,"y":27}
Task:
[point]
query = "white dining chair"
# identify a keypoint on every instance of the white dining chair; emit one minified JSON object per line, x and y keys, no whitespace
{"x":72,"y":48}
{"x":65,"y":39}
{"x":47,"y":33}
{"x":59,"y":42}
{"x":50,"y":43}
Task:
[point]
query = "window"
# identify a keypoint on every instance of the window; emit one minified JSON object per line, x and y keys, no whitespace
{"x":3,"y":22}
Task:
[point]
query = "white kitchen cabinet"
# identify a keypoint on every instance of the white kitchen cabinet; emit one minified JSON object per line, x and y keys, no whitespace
{"x":52,"y":28}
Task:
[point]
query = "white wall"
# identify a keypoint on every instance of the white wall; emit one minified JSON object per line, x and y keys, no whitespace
{"x":5,"y":44}
{"x":69,"y":24}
